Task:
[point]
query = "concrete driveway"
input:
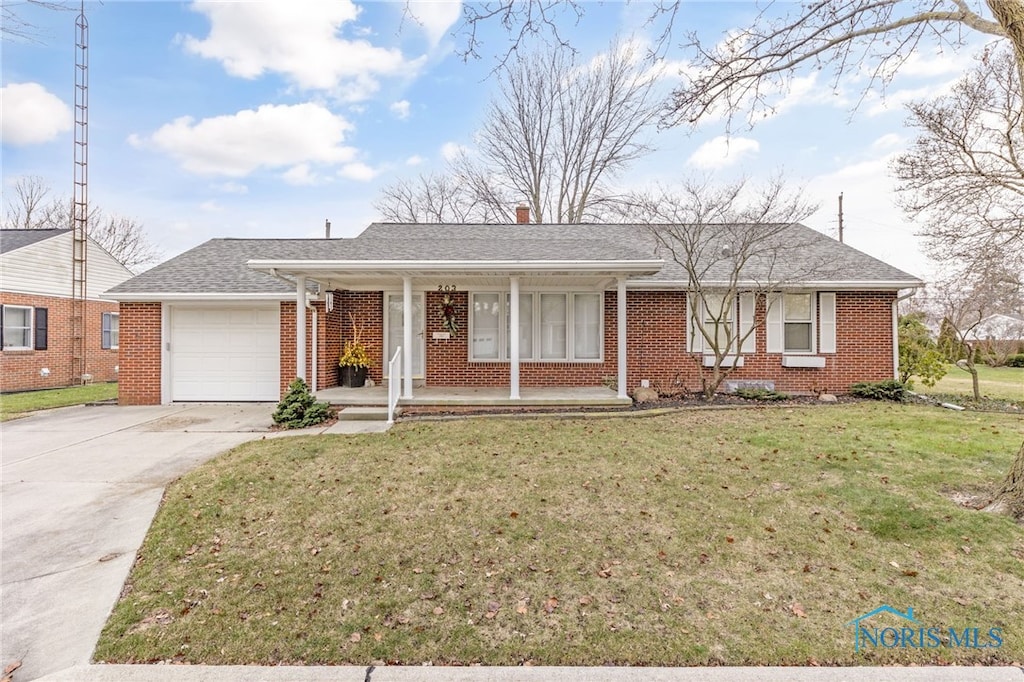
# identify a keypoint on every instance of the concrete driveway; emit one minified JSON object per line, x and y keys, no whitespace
{"x":80,"y":486}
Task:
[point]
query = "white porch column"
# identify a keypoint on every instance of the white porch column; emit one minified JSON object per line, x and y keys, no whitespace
{"x":407,"y":336}
{"x":300,"y":327}
{"x":513,"y":338}
{"x":621,"y":319}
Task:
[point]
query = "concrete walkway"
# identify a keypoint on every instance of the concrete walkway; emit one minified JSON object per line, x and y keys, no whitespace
{"x":79,"y":489}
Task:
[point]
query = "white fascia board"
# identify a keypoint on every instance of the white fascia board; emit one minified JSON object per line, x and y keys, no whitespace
{"x":310,"y":267}
{"x":158,"y":297}
{"x":824,"y":285}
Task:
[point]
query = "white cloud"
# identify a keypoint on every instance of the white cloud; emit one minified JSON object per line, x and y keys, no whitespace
{"x":400,"y":109}
{"x":211,"y":206}
{"x":272,"y":136}
{"x":435,"y":17}
{"x":357,"y":171}
{"x":452,"y":150}
{"x":299,"y":40}
{"x":723,"y":151}
{"x":232,"y":187}
{"x":32,"y":114}
{"x":414,"y":160}
{"x":887,"y":141}
{"x":301,"y":175}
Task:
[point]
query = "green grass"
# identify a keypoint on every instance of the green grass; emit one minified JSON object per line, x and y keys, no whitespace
{"x":739,"y":537}
{"x":1006,"y":383}
{"x":16,"y":404}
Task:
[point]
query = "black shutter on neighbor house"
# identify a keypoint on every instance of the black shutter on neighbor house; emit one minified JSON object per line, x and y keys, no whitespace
{"x":41,"y":322}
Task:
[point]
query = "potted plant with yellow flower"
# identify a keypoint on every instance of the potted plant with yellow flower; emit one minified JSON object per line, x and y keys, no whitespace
{"x":354,"y":361}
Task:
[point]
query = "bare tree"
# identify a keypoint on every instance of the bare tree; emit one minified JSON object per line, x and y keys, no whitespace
{"x":122,"y":237}
{"x":732,"y":241}
{"x":13,"y":24}
{"x":555,"y":133}
{"x":964,"y":174}
{"x":751,"y":67}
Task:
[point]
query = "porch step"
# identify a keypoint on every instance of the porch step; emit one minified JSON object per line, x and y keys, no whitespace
{"x":379,"y":414}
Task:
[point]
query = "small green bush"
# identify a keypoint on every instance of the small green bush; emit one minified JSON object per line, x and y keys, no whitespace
{"x":890,"y":389}
{"x":299,"y":408}
{"x":762,"y":394}
{"x":1015,"y":360}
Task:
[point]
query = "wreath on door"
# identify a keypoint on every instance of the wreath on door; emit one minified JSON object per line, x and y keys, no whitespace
{"x":448,"y":320}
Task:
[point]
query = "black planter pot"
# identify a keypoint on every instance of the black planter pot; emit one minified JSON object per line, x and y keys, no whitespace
{"x":351,"y":377}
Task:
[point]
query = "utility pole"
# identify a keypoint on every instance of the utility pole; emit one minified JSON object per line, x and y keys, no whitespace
{"x":840,"y":217}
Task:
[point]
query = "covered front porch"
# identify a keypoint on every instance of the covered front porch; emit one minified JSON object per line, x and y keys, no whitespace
{"x":491,"y":396}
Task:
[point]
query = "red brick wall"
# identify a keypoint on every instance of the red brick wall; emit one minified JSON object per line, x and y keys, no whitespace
{"x":656,"y":340}
{"x":140,"y":354}
{"x":19,"y":369}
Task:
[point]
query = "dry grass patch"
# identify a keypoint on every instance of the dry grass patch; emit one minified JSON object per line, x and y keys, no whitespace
{"x":725,"y":537}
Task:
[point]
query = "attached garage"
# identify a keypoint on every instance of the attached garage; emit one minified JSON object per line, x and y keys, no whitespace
{"x":224,"y":353}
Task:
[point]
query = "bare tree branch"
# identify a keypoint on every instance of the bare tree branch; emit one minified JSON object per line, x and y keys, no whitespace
{"x":122,"y":237}
{"x":730,"y":239}
{"x":13,"y":24}
{"x":964,"y":174}
{"x":745,"y":72}
{"x":552,"y":137}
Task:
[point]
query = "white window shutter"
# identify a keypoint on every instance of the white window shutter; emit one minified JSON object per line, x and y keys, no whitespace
{"x":694,"y":340}
{"x":773,"y":328}
{"x":827,"y":323}
{"x":747,"y":323}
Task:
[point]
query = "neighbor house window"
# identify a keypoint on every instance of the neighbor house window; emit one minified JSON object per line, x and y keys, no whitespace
{"x":17,"y":327}
{"x":111,"y":336}
{"x":717,"y":311}
{"x":798,"y":322}
{"x":562,"y":326}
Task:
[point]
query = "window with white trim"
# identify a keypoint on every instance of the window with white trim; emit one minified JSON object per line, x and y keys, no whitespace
{"x":17,"y":327}
{"x":111,"y":331}
{"x":553,"y":326}
{"x":798,"y":323}
{"x":717,"y":319}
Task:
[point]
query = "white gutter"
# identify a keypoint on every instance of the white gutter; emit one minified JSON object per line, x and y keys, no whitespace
{"x":837,"y":285}
{"x":157,"y":296}
{"x":311,"y":267}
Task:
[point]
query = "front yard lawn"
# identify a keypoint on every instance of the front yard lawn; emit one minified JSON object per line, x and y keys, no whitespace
{"x":16,"y":404}
{"x":732,"y":537}
{"x":1003,"y":383}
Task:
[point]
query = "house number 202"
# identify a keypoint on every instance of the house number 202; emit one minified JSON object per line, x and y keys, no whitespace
{"x":447,"y":288}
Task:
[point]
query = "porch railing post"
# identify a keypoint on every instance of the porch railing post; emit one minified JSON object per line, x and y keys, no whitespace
{"x":407,"y":334}
{"x":513,"y":336}
{"x":300,"y":327}
{"x":621,"y":319}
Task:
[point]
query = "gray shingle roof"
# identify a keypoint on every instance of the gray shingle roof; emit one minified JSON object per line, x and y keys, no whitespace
{"x":12,"y":240}
{"x":219,"y":265}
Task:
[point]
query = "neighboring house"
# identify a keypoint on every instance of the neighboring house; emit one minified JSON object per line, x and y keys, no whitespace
{"x":36,"y":310}
{"x":591,"y":305}
{"x":999,"y":328}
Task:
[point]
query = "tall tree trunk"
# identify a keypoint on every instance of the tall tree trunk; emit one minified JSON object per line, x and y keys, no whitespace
{"x":1010,"y":15}
{"x":1010,"y":498}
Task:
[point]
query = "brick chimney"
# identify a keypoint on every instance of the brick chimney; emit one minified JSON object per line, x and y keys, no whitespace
{"x":522,"y":214}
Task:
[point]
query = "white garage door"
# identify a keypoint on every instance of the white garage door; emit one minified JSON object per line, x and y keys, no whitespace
{"x":225,"y":353}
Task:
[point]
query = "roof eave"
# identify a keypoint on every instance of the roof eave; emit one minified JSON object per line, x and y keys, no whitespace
{"x":839,"y":285}
{"x":173,"y":296}
{"x":312,"y":268}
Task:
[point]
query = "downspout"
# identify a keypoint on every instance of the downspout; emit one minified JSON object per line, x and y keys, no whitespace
{"x":896,"y":331}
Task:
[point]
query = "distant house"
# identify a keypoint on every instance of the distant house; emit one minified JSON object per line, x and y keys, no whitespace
{"x":36,"y":310}
{"x":999,"y":328}
{"x":531,"y":305}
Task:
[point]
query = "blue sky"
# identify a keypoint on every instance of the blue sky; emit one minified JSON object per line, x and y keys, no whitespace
{"x":250,"y":119}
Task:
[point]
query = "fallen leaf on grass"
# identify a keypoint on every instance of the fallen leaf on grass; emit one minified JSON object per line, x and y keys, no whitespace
{"x":797,"y":610}
{"x":966,"y":549}
{"x":492,"y":609}
{"x":585,"y":600}
{"x":909,"y":573}
{"x":551,"y":604}
{"x":438,"y":610}
{"x":521,"y":607}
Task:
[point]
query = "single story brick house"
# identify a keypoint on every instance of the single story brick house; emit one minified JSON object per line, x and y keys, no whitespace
{"x":37,"y":316}
{"x":591,"y":305}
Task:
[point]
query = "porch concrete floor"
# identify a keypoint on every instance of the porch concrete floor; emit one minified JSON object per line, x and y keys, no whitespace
{"x":585,"y":396}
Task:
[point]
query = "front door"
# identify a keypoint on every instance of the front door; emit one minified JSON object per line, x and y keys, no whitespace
{"x":395,"y":332}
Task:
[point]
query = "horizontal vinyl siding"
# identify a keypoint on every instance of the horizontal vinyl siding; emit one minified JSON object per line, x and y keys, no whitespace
{"x":44,"y":268}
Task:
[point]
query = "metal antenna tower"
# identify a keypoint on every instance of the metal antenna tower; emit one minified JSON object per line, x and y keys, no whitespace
{"x":80,"y":202}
